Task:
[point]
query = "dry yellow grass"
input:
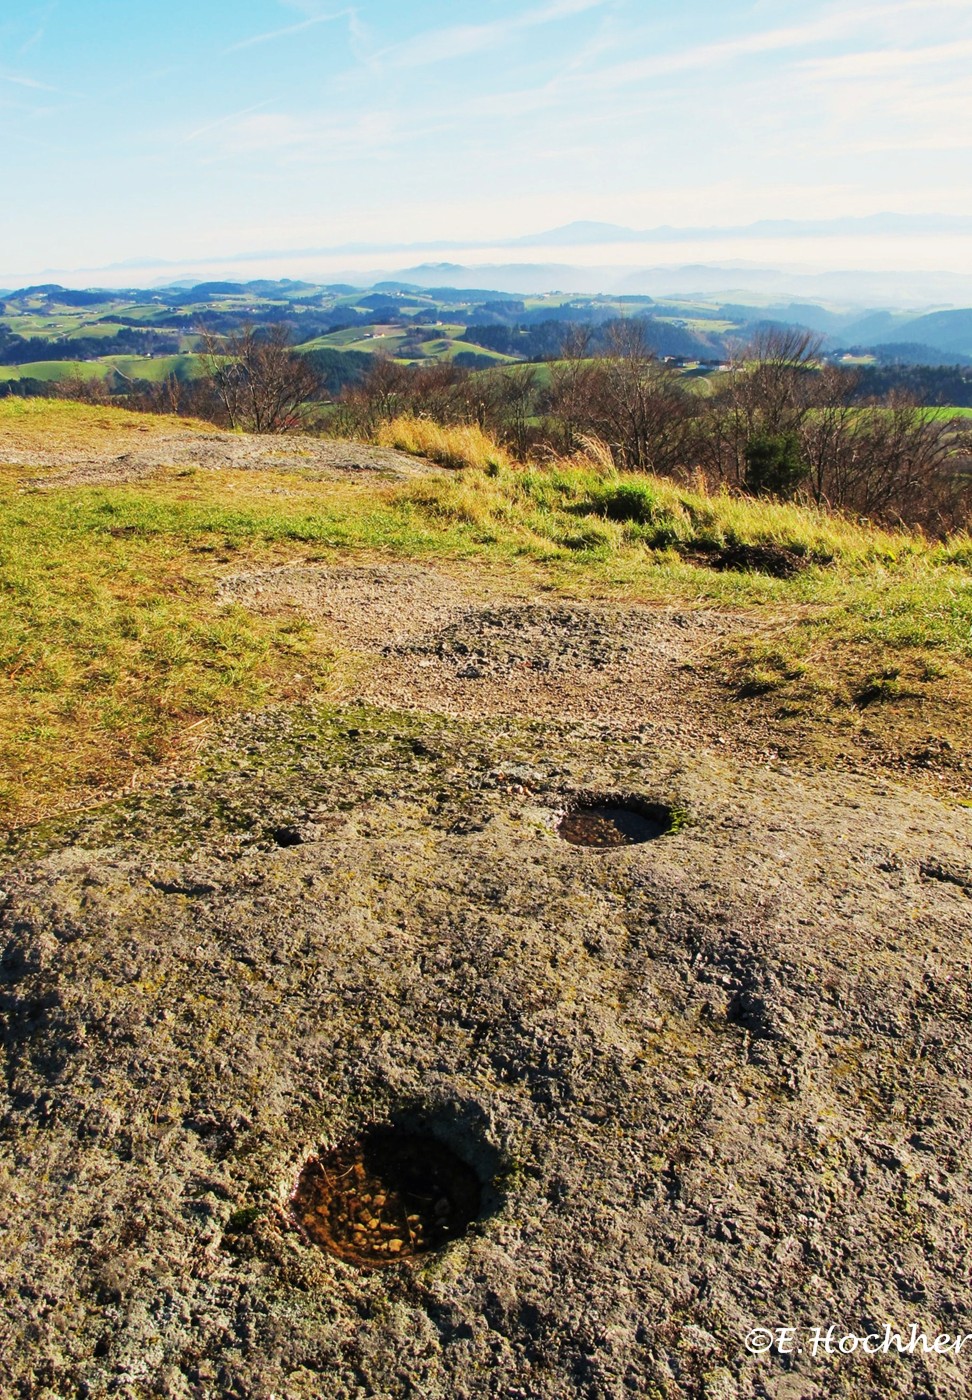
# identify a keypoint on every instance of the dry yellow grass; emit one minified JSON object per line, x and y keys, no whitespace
{"x":458,"y":445}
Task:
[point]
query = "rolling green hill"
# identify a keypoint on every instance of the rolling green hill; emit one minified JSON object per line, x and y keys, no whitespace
{"x":50,"y":334}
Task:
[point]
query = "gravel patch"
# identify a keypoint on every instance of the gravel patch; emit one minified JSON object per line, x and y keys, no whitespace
{"x":117,"y":462}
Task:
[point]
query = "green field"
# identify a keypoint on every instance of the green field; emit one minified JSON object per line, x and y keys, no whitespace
{"x":96,"y":330}
{"x":700,"y":325}
{"x":36,"y":327}
{"x":394,"y":340}
{"x":156,"y":368}
{"x":131,"y":366}
{"x":50,"y":370}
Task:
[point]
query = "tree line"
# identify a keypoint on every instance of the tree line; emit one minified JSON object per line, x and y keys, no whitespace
{"x":776,"y":421}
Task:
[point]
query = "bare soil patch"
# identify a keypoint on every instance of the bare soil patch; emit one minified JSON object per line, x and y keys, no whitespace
{"x":774,"y":559}
{"x":367,"y":607}
{"x":458,"y":643}
{"x":124,"y":455}
{"x":455,"y":641}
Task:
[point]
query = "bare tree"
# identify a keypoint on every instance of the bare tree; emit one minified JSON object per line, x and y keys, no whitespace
{"x":439,"y":390}
{"x":762,"y":402}
{"x":517,"y":399}
{"x":776,"y":386}
{"x":382,"y":393}
{"x":571,"y":380}
{"x":637,"y":404}
{"x":81,"y":387}
{"x":897,"y":462}
{"x":829,"y":436}
{"x":482,"y":397}
{"x":259,"y":381}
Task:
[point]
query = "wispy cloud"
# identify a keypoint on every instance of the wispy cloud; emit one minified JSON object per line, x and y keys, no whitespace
{"x":34,"y":24}
{"x":832,"y":26}
{"x":342,"y":139}
{"x":231,"y":119}
{"x":20,"y":81}
{"x":903,"y":96}
{"x":289,"y":29}
{"x":882,"y":62}
{"x":36,"y":38}
{"x":460,"y":40}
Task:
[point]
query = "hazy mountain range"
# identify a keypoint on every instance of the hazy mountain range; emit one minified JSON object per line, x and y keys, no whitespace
{"x":582,"y":232}
{"x":727,"y":281}
{"x":586,"y":233}
{"x":638,"y":261}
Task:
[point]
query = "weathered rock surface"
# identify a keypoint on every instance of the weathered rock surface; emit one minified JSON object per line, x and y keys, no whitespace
{"x":714,"y":1082}
{"x":139,"y":452}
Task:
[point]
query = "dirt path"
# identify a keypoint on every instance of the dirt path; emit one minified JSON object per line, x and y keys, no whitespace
{"x":135,"y":452}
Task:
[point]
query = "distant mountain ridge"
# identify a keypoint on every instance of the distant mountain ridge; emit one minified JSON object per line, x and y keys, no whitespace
{"x":582,"y":231}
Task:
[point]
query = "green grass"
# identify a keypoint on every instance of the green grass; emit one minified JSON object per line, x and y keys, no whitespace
{"x":61,"y":425}
{"x":50,"y":370}
{"x":157,"y":368}
{"x":154,"y":369}
{"x":624,"y":531}
{"x":111,"y":639}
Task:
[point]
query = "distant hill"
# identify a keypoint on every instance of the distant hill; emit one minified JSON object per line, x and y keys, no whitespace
{"x":912,"y":353}
{"x":948,"y":331}
{"x":434,"y":313}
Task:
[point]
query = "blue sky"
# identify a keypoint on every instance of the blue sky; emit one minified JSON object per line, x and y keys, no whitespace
{"x":195,"y":128}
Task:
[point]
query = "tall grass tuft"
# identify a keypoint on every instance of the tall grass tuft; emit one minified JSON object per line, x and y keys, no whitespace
{"x":456,"y":445}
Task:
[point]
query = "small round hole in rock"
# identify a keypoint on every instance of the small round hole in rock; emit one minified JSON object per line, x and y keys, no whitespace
{"x":287,"y":836}
{"x":605,"y":825}
{"x":384,"y":1196}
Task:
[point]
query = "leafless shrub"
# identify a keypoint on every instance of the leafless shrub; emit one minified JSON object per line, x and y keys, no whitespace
{"x":259,"y":381}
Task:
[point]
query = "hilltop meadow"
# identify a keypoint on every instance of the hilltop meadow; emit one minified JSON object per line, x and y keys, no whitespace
{"x":119,"y":649}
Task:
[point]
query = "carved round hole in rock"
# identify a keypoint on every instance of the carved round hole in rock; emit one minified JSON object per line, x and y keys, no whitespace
{"x":606,"y":825}
{"x":384,"y":1196}
{"x":287,"y":836}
